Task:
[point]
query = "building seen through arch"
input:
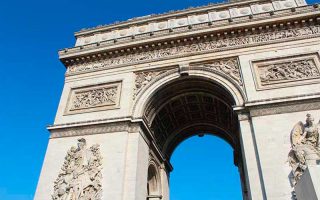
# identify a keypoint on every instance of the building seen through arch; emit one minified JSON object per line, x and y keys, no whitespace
{"x":246,"y":71}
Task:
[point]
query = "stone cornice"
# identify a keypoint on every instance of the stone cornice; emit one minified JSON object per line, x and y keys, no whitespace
{"x":281,"y":105}
{"x":285,"y":107}
{"x":286,"y":99}
{"x":170,"y":14}
{"x":262,"y":35}
{"x":224,"y":27}
{"x":105,"y":126}
{"x":88,"y":122}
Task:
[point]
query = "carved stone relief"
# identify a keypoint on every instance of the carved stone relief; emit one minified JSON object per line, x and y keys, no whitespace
{"x":288,"y":71}
{"x":304,"y":146}
{"x":80,"y":176}
{"x":143,"y":78}
{"x":94,"y":98}
{"x":229,"y":67}
{"x":206,"y":46}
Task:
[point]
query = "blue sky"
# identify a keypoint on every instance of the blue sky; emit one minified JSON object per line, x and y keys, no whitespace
{"x":204,"y":170}
{"x":32,"y":78}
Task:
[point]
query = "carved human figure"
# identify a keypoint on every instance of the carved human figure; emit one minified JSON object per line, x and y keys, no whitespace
{"x":80,"y":176}
{"x":304,"y":146}
{"x":229,"y":67}
{"x":298,"y":69}
{"x":94,"y":97}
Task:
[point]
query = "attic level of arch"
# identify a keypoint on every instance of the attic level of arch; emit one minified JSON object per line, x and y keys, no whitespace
{"x":169,"y":14}
{"x":83,"y":63}
{"x":212,"y":14}
{"x":83,"y":55}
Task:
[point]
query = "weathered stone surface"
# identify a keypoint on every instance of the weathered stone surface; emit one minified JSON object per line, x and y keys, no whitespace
{"x":246,"y":71}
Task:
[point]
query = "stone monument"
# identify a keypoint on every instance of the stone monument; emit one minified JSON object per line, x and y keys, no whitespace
{"x":246,"y":71}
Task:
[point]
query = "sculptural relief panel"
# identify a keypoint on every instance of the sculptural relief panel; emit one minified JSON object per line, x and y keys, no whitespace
{"x":94,"y":98}
{"x":228,"y":66}
{"x":286,"y":71}
{"x":305,"y":148}
{"x":142,"y":79}
{"x":80,"y":176}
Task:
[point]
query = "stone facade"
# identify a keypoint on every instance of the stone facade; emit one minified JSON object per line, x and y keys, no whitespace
{"x":247,"y":71}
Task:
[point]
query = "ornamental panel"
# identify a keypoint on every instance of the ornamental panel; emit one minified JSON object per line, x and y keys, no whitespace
{"x":80,"y":175}
{"x":286,"y":71}
{"x":94,"y":98}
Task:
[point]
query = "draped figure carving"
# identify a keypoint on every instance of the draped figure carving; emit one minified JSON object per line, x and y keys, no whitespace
{"x":304,"y":146}
{"x":80,"y":176}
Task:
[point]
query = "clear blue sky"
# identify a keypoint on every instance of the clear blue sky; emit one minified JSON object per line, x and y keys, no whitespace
{"x":204,"y":170}
{"x":31,"y":81}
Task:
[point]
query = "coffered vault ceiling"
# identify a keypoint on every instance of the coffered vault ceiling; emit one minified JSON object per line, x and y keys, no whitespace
{"x":189,"y":107}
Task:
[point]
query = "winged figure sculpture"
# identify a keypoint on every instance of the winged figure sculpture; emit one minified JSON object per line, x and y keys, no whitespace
{"x":304,"y":146}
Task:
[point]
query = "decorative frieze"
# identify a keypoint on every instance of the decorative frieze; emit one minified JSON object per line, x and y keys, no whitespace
{"x":80,"y":176}
{"x":213,"y":44}
{"x":287,"y":71}
{"x":93,"y":98}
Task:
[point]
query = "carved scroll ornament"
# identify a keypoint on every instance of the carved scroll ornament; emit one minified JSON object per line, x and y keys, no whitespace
{"x":80,"y":176}
{"x":304,"y":146}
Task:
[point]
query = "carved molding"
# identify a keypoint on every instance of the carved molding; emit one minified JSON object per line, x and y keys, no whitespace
{"x":94,"y":98}
{"x":286,"y":71}
{"x":284,"y":108}
{"x":229,"y":67}
{"x":216,"y":17}
{"x":211,"y":45}
{"x":80,"y":176}
{"x":91,"y":129}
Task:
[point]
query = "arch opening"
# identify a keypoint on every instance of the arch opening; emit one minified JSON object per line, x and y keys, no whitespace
{"x":189,"y":106}
{"x":153,"y":184}
{"x":203,"y":169}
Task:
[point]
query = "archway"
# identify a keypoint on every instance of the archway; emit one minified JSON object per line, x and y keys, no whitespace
{"x":188,"y":106}
{"x":154,"y":183}
{"x":203,"y":169}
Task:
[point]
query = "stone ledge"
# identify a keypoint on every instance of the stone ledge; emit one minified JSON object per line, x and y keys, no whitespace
{"x":174,"y":32}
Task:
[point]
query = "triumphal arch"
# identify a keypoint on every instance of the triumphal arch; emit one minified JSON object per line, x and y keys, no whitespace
{"x":246,"y":71}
